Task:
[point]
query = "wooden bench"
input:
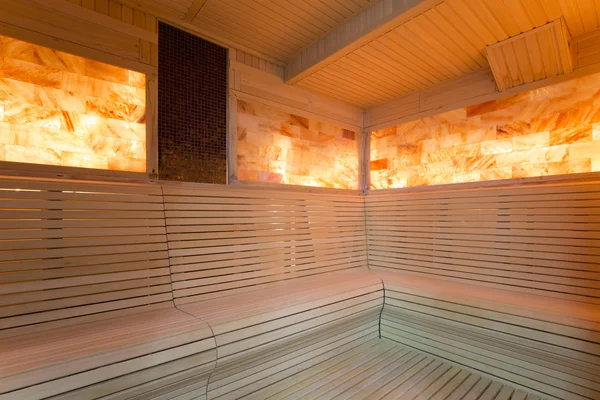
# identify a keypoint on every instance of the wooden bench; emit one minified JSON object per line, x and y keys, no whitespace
{"x":382,"y":369}
{"x":160,"y":291}
{"x":86,"y":301}
{"x":116,"y":290}
{"x":501,"y":280}
{"x":281,"y":278}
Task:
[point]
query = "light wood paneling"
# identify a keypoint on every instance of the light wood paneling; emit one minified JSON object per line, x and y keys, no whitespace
{"x":272,"y":332}
{"x":371,"y":23}
{"x":502,"y":280}
{"x":86,"y":293}
{"x":77,"y":249}
{"x":277,"y":28}
{"x":109,"y":357}
{"x":545,"y":346}
{"x":238,"y":57}
{"x":272,"y":283}
{"x":232,"y":239}
{"x":537,"y":54}
{"x":531,"y":239}
{"x":382,"y":369}
{"x":447,"y":41}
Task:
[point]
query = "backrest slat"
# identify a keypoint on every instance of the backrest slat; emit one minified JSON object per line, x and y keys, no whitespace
{"x":79,"y":251}
{"x":537,"y":238}
{"x":227,"y":241}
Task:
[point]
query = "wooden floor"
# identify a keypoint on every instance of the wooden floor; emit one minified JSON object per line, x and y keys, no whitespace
{"x":382,"y":369}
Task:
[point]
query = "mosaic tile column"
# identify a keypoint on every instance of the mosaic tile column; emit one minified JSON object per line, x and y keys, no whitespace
{"x":192,"y":107}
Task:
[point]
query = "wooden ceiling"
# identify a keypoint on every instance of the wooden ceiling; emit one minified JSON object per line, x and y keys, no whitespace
{"x":273,"y":29}
{"x":445,"y":42}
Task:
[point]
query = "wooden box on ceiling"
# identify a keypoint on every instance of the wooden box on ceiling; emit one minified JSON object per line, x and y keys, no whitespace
{"x":538,"y":54}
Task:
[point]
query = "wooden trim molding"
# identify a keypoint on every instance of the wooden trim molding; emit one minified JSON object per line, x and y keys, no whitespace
{"x":152,"y":125}
{"x":364,"y":158}
{"x":26,"y":170}
{"x":537,"y":180}
{"x":293,"y":188}
{"x":193,"y":11}
{"x":232,"y":139}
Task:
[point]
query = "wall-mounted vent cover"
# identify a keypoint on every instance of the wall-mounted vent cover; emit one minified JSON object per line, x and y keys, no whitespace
{"x":538,"y":54}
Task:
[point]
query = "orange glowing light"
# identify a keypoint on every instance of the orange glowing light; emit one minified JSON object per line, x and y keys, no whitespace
{"x":278,"y":147}
{"x":548,"y":131}
{"x":61,"y":109}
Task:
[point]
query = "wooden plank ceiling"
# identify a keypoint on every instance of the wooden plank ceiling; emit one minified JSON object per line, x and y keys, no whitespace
{"x":445,"y":42}
{"x":273,"y":29}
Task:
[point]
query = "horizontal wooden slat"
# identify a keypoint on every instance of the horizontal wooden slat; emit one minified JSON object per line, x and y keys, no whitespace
{"x":87,"y":228}
{"x":505,"y":342}
{"x":543,"y":238}
{"x":258,"y":237}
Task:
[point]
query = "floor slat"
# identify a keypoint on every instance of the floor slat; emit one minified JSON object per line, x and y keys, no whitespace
{"x":381,"y":369}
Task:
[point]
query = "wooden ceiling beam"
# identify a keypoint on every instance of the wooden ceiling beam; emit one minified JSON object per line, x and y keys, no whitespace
{"x":373,"y":22}
{"x":194,"y":9}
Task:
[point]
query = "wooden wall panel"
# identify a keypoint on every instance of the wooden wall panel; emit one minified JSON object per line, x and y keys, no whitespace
{"x":226,"y":240}
{"x":536,"y":238}
{"x":72,"y":250}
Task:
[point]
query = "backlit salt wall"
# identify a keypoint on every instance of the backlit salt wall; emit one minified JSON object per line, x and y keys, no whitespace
{"x":278,"y":147}
{"x":59,"y":109}
{"x":547,"y":131}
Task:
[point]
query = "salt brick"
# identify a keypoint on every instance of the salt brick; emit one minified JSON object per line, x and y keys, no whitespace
{"x":531,"y":141}
{"x":497,"y":146}
{"x":450,"y":140}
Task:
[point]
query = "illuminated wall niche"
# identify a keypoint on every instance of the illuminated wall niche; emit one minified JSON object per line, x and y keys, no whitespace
{"x":278,"y":147}
{"x":548,"y":131}
{"x":60,"y":109}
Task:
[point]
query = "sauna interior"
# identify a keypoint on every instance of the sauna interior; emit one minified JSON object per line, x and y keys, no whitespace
{"x":307,"y":199}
